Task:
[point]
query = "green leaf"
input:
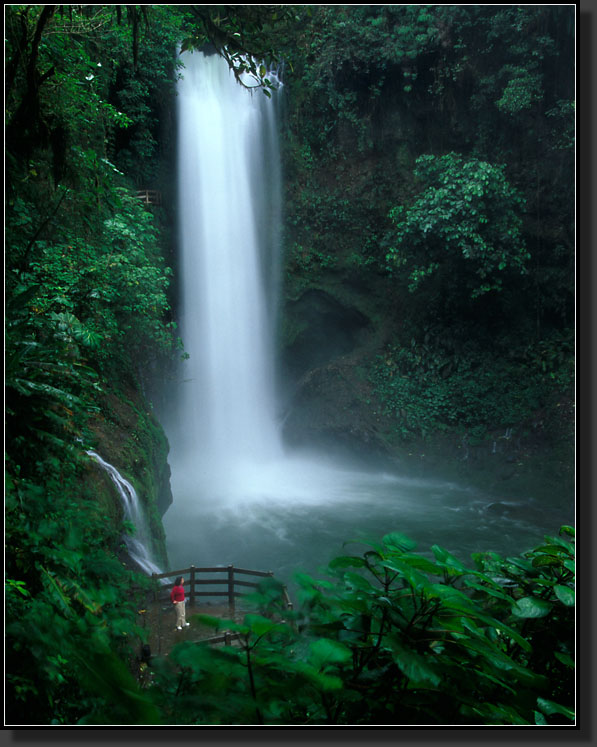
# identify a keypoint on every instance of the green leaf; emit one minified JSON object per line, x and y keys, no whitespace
{"x":490,"y":589}
{"x":416,"y":580}
{"x":219,"y":623}
{"x":565,"y":594}
{"x":549,"y":707}
{"x":321,"y":680}
{"x":560,"y":542}
{"x":420,"y":563}
{"x":531,"y":607}
{"x":452,"y":598}
{"x":565,"y":659}
{"x":416,"y":667}
{"x":447,"y":560}
{"x":542,"y":561}
{"x":452,"y":604}
{"x":398,"y":541}
{"x":260,"y":625}
{"x":326,"y":651}
{"x":347,"y":561}
{"x":521,"y":563}
{"x":358,"y":582}
{"x":104,"y":673}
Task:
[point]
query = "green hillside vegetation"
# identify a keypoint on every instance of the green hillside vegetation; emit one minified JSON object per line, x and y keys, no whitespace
{"x":428,"y":156}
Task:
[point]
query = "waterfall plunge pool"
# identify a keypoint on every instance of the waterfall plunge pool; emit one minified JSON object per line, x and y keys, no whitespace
{"x":295,"y":514}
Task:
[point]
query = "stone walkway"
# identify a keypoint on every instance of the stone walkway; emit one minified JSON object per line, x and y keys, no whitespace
{"x":158,"y":618}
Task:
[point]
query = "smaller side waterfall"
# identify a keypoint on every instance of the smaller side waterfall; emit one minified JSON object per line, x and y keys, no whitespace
{"x":138,"y":544}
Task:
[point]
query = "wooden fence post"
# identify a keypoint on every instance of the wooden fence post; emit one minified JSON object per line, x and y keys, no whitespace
{"x":192,"y":582}
{"x":231,"y":588}
{"x":287,"y":599}
{"x":155,"y":587}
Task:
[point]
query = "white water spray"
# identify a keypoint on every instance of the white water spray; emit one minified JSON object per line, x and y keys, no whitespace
{"x":225,"y":439}
{"x":138,"y":544}
{"x":229,"y":198}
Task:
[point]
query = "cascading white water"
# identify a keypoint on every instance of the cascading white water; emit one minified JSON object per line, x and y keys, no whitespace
{"x":137,"y":544}
{"x":228,"y":194}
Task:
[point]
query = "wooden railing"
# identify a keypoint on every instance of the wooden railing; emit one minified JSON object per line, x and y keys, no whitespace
{"x":227,"y":638}
{"x":150,"y":196}
{"x":194,"y":578}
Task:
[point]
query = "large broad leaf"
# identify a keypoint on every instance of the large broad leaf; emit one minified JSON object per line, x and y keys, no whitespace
{"x":420,"y":563}
{"x":416,"y":580}
{"x":565,"y":543}
{"x":451,"y":597}
{"x":556,"y":546}
{"x":569,"y":565}
{"x":542,"y":561}
{"x":326,"y":651}
{"x":565,"y":594}
{"x":512,"y":566}
{"x":347,"y":561}
{"x":549,"y":707}
{"x":499,"y":661}
{"x":492,"y":590}
{"x":201,"y":657}
{"x":447,"y":560}
{"x":564,"y":658}
{"x":217,"y":622}
{"x":315,"y":677}
{"x":417,"y":668}
{"x":453,"y":607}
{"x":398,"y":541}
{"x":305,"y":581}
{"x":358,"y":582}
{"x":104,"y":673}
{"x":259,"y":625}
{"x":531,"y":607}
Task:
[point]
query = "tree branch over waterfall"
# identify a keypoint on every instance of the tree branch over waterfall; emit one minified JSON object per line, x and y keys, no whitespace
{"x":241,"y":34}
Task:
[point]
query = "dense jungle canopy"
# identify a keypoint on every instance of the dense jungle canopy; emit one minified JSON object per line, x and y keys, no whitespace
{"x":429,"y":255}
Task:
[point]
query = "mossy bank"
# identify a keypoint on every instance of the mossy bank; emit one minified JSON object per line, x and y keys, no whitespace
{"x":127,"y":435}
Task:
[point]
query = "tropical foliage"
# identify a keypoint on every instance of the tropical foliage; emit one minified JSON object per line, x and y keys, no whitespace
{"x":431,"y":163}
{"x":467,"y":211}
{"x":393,"y":637}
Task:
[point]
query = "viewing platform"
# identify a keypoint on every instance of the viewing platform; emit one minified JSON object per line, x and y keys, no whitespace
{"x":217,"y":591}
{"x":149,"y":196}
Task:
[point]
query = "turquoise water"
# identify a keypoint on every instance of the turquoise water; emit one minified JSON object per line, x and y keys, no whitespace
{"x":296,"y":515}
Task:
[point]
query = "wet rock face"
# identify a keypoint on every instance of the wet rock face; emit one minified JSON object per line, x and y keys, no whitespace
{"x":325,"y":328}
{"x":327,"y":400}
{"x":328,"y":410}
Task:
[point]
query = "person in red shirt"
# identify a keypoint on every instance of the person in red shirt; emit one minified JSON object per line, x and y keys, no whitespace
{"x":178,"y":600}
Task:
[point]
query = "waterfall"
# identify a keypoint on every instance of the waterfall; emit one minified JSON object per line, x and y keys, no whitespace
{"x":224,"y":419}
{"x":138,"y":543}
{"x":226,"y":449}
{"x":238,"y":497}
